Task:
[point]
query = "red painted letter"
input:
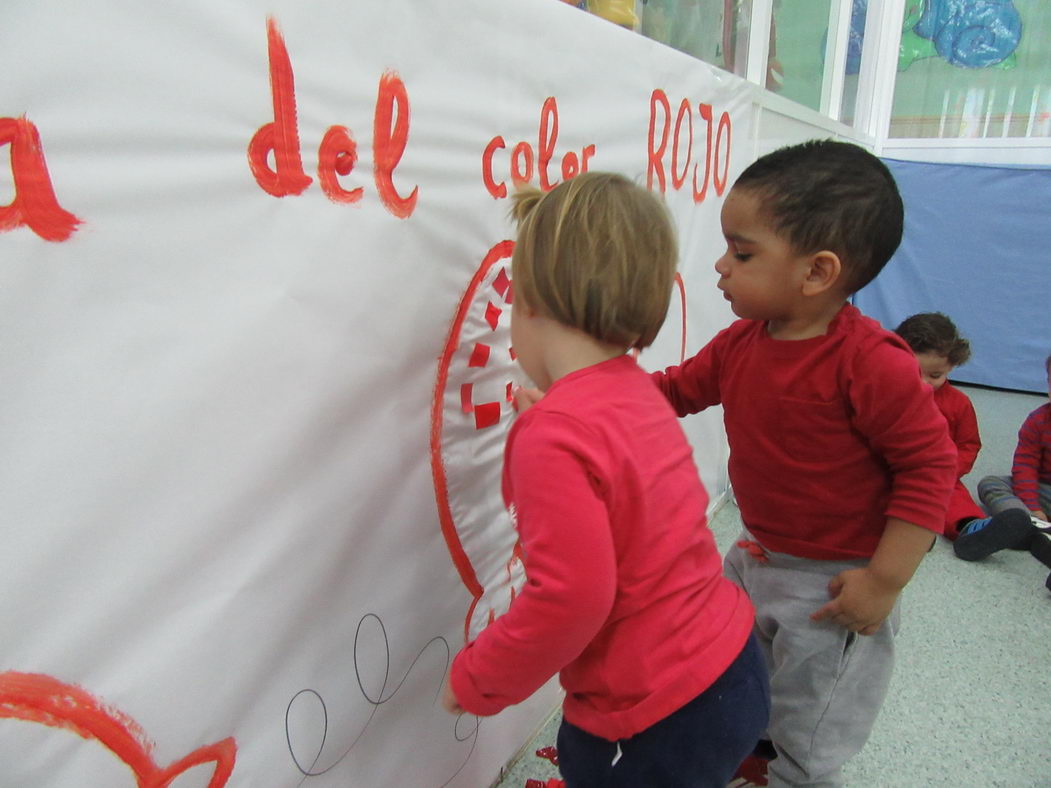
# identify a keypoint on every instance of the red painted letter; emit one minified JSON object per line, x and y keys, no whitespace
{"x":720,"y":183}
{"x":546,"y":148}
{"x":338,"y":154}
{"x":656,"y":153}
{"x":35,"y":204}
{"x":570,"y":166}
{"x":706,"y":115}
{"x":678,"y":180}
{"x":282,"y":135}
{"x":389,"y":142}
{"x":586,"y":154}
{"x":498,"y":190}
{"x":522,"y":163}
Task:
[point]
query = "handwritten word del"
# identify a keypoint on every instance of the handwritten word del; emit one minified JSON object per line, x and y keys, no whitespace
{"x":659,"y":105}
{"x":338,"y":151}
{"x":35,"y":205}
{"x":521,"y":161}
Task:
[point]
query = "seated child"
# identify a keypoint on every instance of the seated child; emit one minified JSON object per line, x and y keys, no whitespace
{"x":624,"y":596}
{"x":1028,"y":488}
{"x":939,"y":348}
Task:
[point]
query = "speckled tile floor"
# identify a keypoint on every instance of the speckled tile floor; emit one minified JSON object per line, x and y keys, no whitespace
{"x":970,"y":703}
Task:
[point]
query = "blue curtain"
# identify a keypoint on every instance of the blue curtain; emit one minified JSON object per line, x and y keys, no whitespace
{"x":977,"y":247}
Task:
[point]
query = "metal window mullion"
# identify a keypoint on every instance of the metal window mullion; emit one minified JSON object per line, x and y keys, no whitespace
{"x":835,"y":58}
{"x":759,"y":41}
{"x":879,"y":68}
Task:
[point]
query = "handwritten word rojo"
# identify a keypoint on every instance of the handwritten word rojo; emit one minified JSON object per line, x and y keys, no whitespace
{"x":714,"y":156}
{"x":35,"y":205}
{"x":338,"y":151}
{"x":523,"y":161}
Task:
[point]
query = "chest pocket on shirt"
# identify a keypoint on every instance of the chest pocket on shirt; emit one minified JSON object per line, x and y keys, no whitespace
{"x":815,"y":431}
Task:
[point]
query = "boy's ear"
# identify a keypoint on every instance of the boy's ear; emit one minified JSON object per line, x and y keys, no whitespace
{"x":823,"y":272}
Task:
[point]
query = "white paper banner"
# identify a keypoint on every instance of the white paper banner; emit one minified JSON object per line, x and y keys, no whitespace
{"x":254,"y":364}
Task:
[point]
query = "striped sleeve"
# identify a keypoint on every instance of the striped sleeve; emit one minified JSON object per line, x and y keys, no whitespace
{"x":1025,"y":472}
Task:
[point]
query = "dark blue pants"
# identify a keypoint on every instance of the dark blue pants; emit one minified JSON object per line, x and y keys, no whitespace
{"x":697,"y":746}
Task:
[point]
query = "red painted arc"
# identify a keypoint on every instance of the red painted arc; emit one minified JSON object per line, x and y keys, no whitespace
{"x":635,"y":353}
{"x":460,"y":559}
{"x":35,"y":697}
{"x":498,"y":252}
{"x":682,"y":300}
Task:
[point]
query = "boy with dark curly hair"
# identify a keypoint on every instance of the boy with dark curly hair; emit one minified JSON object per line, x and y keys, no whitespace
{"x":841,"y":464}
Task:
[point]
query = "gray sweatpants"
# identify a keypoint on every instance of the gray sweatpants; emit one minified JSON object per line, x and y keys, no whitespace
{"x":827,"y":684}
{"x":997,"y":495}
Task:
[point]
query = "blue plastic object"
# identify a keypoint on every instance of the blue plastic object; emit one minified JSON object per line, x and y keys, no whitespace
{"x":968,"y":33}
{"x":971,"y":33}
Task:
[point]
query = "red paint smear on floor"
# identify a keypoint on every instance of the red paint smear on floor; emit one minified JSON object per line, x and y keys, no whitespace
{"x":548,"y":754}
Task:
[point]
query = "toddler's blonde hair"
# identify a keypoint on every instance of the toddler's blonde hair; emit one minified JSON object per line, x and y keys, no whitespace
{"x":597,"y":253}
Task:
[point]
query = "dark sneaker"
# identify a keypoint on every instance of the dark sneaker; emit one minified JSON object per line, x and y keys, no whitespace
{"x":1040,"y":548}
{"x":981,"y":538}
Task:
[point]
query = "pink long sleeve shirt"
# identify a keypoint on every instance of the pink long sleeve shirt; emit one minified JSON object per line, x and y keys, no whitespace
{"x":624,"y":596}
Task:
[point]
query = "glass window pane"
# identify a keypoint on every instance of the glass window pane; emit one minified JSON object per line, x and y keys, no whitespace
{"x":797,"y":50}
{"x":716,"y":31}
{"x":969,"y":69}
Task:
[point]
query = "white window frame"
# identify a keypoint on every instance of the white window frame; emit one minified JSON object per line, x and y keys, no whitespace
{"x":875,"y":93}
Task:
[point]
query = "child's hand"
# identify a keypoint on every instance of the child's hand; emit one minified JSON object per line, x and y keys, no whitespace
{"x":526,"y":398}
{"x":861,"y":601}
{"x":449,"y":702}
{"x":1038,"y":514}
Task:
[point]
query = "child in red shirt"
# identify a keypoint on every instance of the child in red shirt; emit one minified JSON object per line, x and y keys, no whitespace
{"x":840,"y":462}
{"x":624,"y":597}
{"x":1028,"y":488}
{"x":939,"y":349}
